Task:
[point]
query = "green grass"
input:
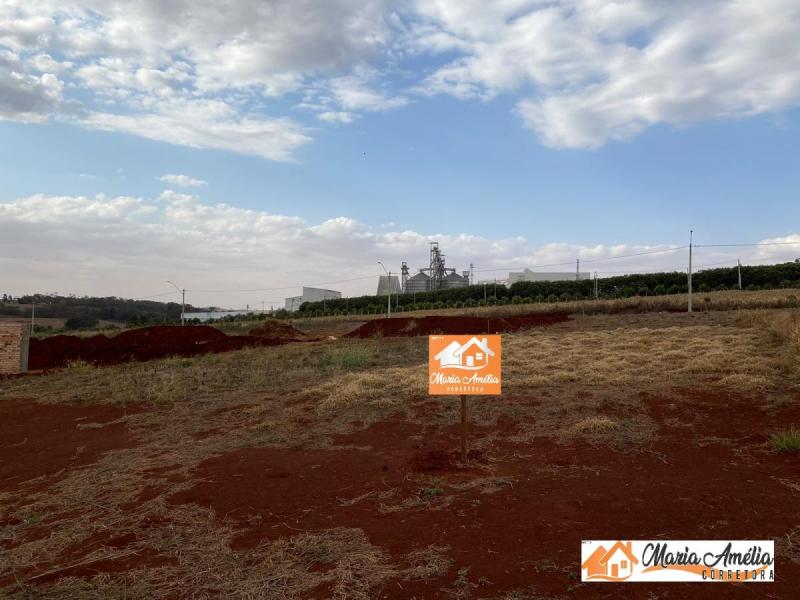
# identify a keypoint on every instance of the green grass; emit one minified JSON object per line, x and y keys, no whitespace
{"x":786,"y":441}
{"x":429,"y":493}
{"x":349,"y":357}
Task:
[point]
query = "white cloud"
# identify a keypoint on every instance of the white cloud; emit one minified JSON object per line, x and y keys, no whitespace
{"x":208,"y":124}
{"x":25,"y":96}
{"x":182,"y":180}
{"x":336,"y":116}
{"x":125,"y":61}
{"x":353,"y":94}
{"x":580,"y":72}
{"x":590,"y":71}
{"x":128,"y":246}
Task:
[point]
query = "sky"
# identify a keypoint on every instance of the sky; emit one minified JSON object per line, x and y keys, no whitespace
{"x":243,"y":150}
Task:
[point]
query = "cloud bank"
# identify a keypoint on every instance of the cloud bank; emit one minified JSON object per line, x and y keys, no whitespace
{"x":129,"y":246}
{"x":259,"y":79}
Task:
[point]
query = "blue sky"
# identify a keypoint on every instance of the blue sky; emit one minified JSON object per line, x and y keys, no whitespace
{"x":517,"y":134}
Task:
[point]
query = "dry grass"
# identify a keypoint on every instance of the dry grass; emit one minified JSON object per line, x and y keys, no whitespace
{"x":595,"y":425}
{"x":104,"y":499}
{"x":428,"y":563}
{"x":783,"y":326}
{"x":286,"y":368}
{"x":582,"y":380}
{"x":285,"y":568}
{"x":788,"y":546}
{"x":378,"y":390}
{"x":642,"y":356}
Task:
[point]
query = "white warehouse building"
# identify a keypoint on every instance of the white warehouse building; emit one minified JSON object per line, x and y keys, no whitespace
{"x":311,"y":294}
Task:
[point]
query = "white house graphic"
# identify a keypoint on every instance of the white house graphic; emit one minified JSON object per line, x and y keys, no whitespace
{"x":471,"y":356}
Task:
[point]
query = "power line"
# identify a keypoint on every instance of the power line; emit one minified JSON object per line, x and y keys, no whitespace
{"x":674,"y":249}
{"x":156,"y":295}
{"x":746,"y":245}
{"x":591,"y":260}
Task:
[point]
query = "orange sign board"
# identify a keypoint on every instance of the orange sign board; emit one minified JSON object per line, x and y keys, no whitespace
{"x":464,"y":365}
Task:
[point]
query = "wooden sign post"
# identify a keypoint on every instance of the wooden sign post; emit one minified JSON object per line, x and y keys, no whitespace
{"x":464,"y":365}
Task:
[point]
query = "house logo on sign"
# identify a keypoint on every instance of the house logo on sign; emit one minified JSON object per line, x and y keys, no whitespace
{"x":472,"y":356}
{"x":614,"y":564}
{"x":464,"y":365}
{"x":712,"y":561}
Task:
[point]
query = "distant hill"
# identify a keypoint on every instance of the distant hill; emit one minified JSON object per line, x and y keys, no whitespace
{"x":121,"y":310}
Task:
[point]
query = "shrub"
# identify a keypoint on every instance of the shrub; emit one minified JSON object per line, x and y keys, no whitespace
{"x":786,"y":441}
{"x":81,"y":322}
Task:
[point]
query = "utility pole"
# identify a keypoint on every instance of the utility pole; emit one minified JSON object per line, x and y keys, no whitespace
{"x":691,"y":239}
{"x":495,"y":289}
{"x":33,"y":318}
{"x":183,"y":301}
{"x":485,"y":300}
{"x":471,"y":278}
{"x":596,"y":291}
{"x":577,"y":269}
{"x":739,"y":263}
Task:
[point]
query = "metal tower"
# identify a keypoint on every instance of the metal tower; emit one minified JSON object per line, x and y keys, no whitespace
{"x":403,"y":277}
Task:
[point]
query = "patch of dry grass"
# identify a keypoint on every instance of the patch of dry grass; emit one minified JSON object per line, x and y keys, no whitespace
{"x":428,"y":563}
{"x":788,"y":546}
{"x":379,"y":390}
{"x":641,"y":356}
{"x":281,"y":569}
{"x":783,"y":326}
{"x":594,"y":425}
{"x":286,"y":368}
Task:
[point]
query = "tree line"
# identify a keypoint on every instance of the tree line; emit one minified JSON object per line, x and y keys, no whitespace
{"x":622,"y":286}
{"x":86,"y":308}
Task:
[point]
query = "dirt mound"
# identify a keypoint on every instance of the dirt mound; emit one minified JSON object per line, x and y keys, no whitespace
{"x":140,"y":344}
{"x":413,"y":326}
{"x":279,"y":330}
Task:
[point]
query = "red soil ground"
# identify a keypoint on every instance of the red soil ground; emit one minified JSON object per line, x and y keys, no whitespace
{"x":149,"y":343}
{"x":709,"y":475}
{"x":40,"y":440}
{"x":413,"y":326}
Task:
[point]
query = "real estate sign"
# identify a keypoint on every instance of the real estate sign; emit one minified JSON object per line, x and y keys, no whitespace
{"x":463,"y":365}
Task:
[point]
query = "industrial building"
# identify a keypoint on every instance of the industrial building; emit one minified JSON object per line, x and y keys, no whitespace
{"x":528,"y":275}
{"x":311,"y":295}
{"x":388,"y":284}
{"x":436,"y":276}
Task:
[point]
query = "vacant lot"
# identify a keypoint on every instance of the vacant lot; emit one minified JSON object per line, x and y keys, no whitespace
{"x":323,"y":470}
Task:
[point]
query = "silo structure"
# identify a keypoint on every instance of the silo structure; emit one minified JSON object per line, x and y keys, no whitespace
{"x":418,"y":283}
